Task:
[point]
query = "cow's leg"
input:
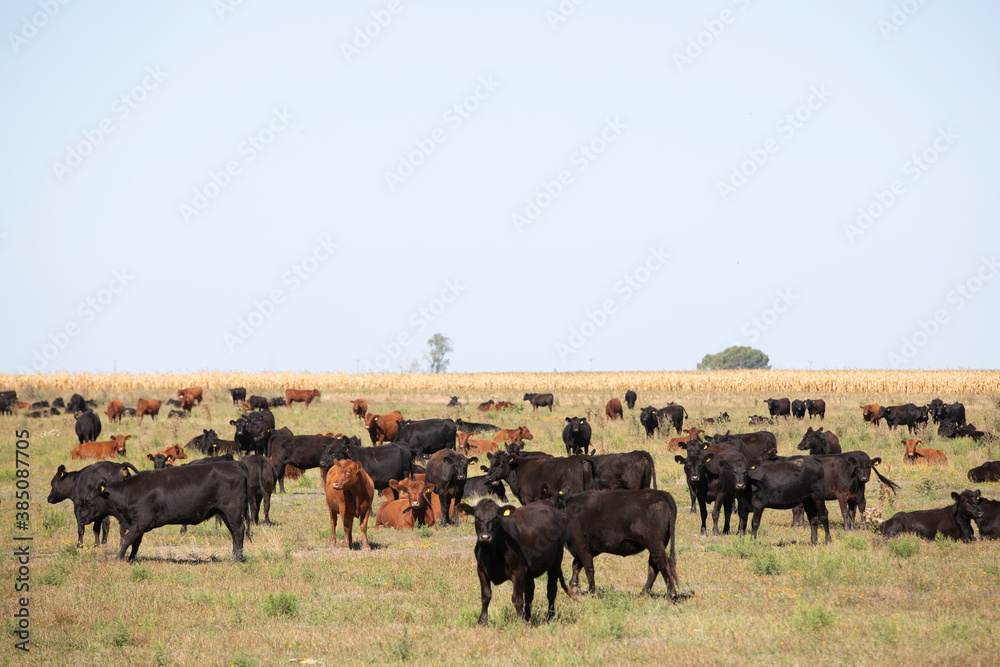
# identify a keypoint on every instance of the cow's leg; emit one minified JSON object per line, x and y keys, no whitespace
{"x":852,"y":510}
{"x":694,"y":497}
{"x":758,"y":512}
{"x":797,"y":515}
{"x":237,"y":529}
{"x":727,"y":505}
{"x":333,"y":526}
{"x":485,"y":594}
{"x":517,"y":597}
{"x":704,"y":513}
{"x":716,"y":511}
{"x":811,"y":513}
{"x":363,"y":527}
{"x":267,"y":508}
{"x":845,"y":512}
{"x":743,"y":509}
{"x":824,"y":519}
{"x":348,"y":529}
{"x":529,"y":596}
{"x":574,"y":580}
{"x":650,"y":576}
{"x":552,"y":588}
{"x":444,"y":508}
{"x":81,"y":527}
{"x":587,"y":559}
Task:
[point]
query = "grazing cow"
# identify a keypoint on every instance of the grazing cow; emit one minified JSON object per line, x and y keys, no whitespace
{"x":474,"y":428}
{"x":428,"y":436}
{"x":539,"y":401}
{"x":518,"y":545}
{"x":513,"y":435}
{"x":194,"y":392}
{"x":76,"y":486}
{"x":693,"y":433}
{"x":77,"y":403}
{"x":908,"y":415}
{"x":649,"y":420}
{"x":845,"y":477}
{"x":672,"y":414}
{"x":485,"y":407}
{"x":185,"y":495}
{"x":477,"y":447}
{"x":447,"y":471}
{"x":263,"y":478}
{"x":453,"y":403}
{"x":526,"y":474}
{"x":778,"y":407}
{"x":988,"y":472}
{"x":820,"y":442}
{"x":783,"y":484}
{"x":349,"y":494}
{"x":954,"y":521}
{"x":642,"y":520}
{"x":870,"y":413}
{"x":239,"y":394}
{"x":798,"y":409}
{"x":916,"y":454}
{"x":383,"y":428}
{"x":106,"y":449}
{"x":627,"y":470}
{"x":576,"y":435}
{"x":149,"y":407}
{"x":258,"y":403}
{"x":177,"y":414}
{"x":383,"y":464}
{"x":359,"y":408}
{"x":115,"y":411}
{"x":940,"y":411}
{"x":716,"y":474}
{"x":816,"y":407}
{"x":414,"y":506}
{"x":300,"y":396}
{"x":613,"y":410}
{"x":630,"y":399}
{"x":88,"y":426}
{"x":989,"y":523}
{"x":302,"y":451}
{"x":160,"y":461}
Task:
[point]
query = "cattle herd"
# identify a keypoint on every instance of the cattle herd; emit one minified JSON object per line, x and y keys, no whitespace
{"x":417,"y":473}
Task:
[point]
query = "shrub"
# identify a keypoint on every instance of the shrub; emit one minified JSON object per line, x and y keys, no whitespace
{"x":814,"y":618}
{"x":904,"y":546}
{"x":856,"y":542}
{"x":765,"y":562}
{"x":281,"y":604}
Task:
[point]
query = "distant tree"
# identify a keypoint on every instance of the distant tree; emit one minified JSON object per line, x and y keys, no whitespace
{"x":437,"y":355}
{"x":735,"y":357}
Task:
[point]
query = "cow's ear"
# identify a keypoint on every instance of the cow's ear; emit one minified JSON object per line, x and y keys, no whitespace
{"x":474,"y":459}
{"x":977,"y":494}
{"x":680,"y":459}
{"x":393,"y":484}
{"x":507,"y":510}
{"x":61,"y":471}
{"x":428,"y":488}
{"x":876,"y":461}
{"x":126,"y":473}
{"x":170,"y":457}
{"x":466,"y":509}
{"x":919,"y":441}
{"x":954,"y":496}
{"x":904,"y":442}
{"x":708,"y":458}
{"x":149,"y":457}
{"x":127,"y":437}
{"x":567,"y":419}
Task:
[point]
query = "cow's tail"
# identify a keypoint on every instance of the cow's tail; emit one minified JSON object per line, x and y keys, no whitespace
{"x":562,"y":582}
{"x":885,"y":480}
{"x":674,"y":583}
{"x":247,"y":515}
{"x":652,"y":467}
{"x":685,"y":413}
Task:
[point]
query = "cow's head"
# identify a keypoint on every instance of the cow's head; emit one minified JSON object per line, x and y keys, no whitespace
{"x":61,"y":487}
{"x":416,"y":493}
{"x":574,"y":423}
{"x":694,"y":432}
{"x":500,"y":463}
{"x":160,"y":461}
{"x":911,"y":448}
{"x":968,"y":504}
{"x":120,"y":443}
{"x":861,"y":468}
{"x":524,"y":434}
{"x":342,"y":473}
{"x":490,"y":519}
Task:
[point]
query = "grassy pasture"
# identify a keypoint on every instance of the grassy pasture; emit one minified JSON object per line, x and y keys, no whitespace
{"x":415,"y":598}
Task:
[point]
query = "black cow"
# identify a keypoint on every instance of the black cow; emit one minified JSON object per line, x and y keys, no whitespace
{"x":623,"y":523}
{"x":820,"y":442}
{"x":5,"y":406}
{"x":908,"y":415}
{"x":473,"y":427}
{"x":160,"y":461}
{"x":253,"y":431}
{"x":77,"y":403}
{"x":628,"y":470}
{"x":129,"y":412}
{"x":427,"y":436}
{"x":173,"y":402}
{"x":576,"y":435}
{"x":950,"y":429}
{"x":447,"y":470}
{"x":816,"y":407}
{"x":672,"y":414}
{"x":954,"y":521}
{"x":539,"y":401}
{"x":757,"y":420}
{"x":59,"y":403}
{"x":716,"y":474}
{"x":75,"y":486}
{"x":526,"y":474}
{"x":383,"y":464}
{"x":177,"y":414}
{"x":941,"y":411}
{"x":778,"y":407}
{"x":185,"y":495}
{"x":480,"y":486}
{"x":453,"y":403}
{"x":257,"y":403}
{"x":649,"y":420}
{"x":88,"y":426}
{"x":784,"y":483}
{"x":518,"y":545}
{"x":9,"y":395}
{"x":238,"y":394}
{"x":798,"y":409}
{"x":756,"y":447}
{"x":630,"y":399}
{"x":276,"y":402}
{"x":222,"y":447}
{"x":845,"y":477}
{"x":989,"y":523}
{"x":988,"y":472}
{"x":205,"y":442}
{"x":38,"y":405}
{"x":263,"y":478}
{"x":302,"y":451}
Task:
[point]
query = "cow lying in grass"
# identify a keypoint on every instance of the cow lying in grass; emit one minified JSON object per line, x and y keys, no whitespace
{"x":954,"y":521}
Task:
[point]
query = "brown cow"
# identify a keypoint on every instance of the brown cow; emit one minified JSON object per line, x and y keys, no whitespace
{"x":187,"y":402}
{"x":349,"y":493}
{"x":174,"y":450}
{"x":475,"y":447}
{"x":147,"y":406}
{"x":921,"y":455}
{"x":412,"y":508}
{"x":106,"y":449}
{"x":502,"y":405}
{"x":870,"y":413}
{"x":193,"y":392}
{"x":115,"y":411}
{"x":693,"y":433}
{"x":359,"y":407}
{"x":300,"y":396}
{"x":614,"y":409}
{"x":383,"y":428}
{"x":513,"y":435}
{"x":244,"y":406}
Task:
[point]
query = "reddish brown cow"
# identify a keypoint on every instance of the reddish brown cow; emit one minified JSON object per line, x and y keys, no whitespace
{"x":147,"y":406}
{"x":870,"y":413}
{"x":921,"y":455}
{"x":502,"y":405}
{"x":512,"y":435}
{"x":193,"y":392}
{"x":412,"y":508}
{"x":693,"y":433}
{"x":244,"y":406}
{"x":383,"y":428}
{"x":300,"y":396}
{"x":115,"y":411}
{"x":359,"y":407}
{"x":106,"y":449}
{"x":174,"y":450}
{"x":475,"y":447}
{"x":349,"y":494}
{"x":187,"y":403}
{"x":614,"y":409}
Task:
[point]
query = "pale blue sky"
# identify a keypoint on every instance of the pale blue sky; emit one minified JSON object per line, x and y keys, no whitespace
{"x":310,"y":128}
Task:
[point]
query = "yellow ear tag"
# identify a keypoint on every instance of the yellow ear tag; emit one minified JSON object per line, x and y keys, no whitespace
{"x":753,"y":467}
{"x":101,"y":488}
{"x":506,"y":512}
{"x":125,"y":474}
